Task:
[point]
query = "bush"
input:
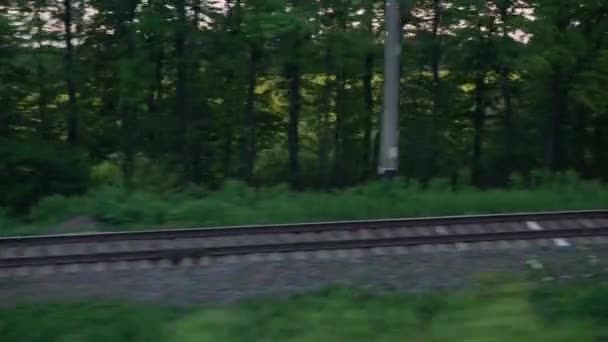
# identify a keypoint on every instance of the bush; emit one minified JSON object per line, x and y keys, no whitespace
{"x":558,"y":304}
{"x":150,"y":176}
{"x":154,"y":176}
{"x":30,"y":171}
{"x":593,"y":303}
{"x":84,"y":322}
{"x":238,"y":204}
{"x":516,"y":181}
{"x":112,"y":205}
{"x":106,"y":173}
{"x":440,"y":185}
{"x":333,"y":314}
{"x":56,"y":208}
{"x":118,"y":207}
{"x":4,"y":219}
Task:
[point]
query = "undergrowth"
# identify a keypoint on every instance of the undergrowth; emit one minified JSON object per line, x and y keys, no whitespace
{"x":512,"y":312}
{"x":237,"y":204}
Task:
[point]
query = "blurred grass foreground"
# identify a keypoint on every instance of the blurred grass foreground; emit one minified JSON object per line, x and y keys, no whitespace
{"x":507,"y":313}
{"x":110,"y":207}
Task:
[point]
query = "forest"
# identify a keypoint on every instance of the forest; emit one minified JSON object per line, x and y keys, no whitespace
{"x":177,"y":93}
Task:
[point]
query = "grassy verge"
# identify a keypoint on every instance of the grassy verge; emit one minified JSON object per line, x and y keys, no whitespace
{"x":237,"y":204}
{"x":511,"y":313}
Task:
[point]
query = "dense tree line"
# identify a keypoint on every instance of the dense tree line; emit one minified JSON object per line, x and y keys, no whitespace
{"x":272,"y":91}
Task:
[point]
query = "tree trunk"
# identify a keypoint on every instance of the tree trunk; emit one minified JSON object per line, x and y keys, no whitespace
{"x":580,"y":142}
{"x":505,"y":89}
{"x":504,"y":71}
{"x":126,"y":102}
{"x":368,"y":98}
{"x":156,"y":45}
{"x":293,"y":76}
{"x":153,"y":135}
{"x":201,"y":153}
{"x":554,"y":140}
{"x":338,"y":168}
{"x":73,"y":122}
{"x":227,"y":142}
{"x":478,"y":126}
{"x":600,"y":153}
{"x":248,"y":144}
{"x":44,"y":129}
{"x":431,"y":167}
{"x":181,"y":96}
{"x":156,"y":88}
{"x":180,"y":83}
{"x":323,"y":121}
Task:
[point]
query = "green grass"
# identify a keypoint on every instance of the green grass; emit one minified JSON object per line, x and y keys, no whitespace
{"x":509,"y":313}
{"x":237,"y":204}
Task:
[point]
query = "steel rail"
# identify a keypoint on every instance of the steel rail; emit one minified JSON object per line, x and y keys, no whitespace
{"x":175,"y":255}
{"x":297,"y":228}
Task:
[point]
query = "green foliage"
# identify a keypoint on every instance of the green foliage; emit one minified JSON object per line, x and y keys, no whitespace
{"x":161,"y":101}
{"x":5,"y":221}
{"x":111,"y":205}
{"x":31,"y":170}
{"x":516,"y":181}
{"x":511,"y":312}
{"x":440,"y":184}
{"x":155,"y":177}
{"x":428,"y":307}
{"x":84,"y":322}
{"x":118,"y":207}
{"x":57,"y":208}
{"x":238,"y":204}
{"x":106,"y":173}
{"x":559,"y":304}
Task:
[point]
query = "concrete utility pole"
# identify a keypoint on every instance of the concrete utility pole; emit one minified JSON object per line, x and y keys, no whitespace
{"x":389,"y":135}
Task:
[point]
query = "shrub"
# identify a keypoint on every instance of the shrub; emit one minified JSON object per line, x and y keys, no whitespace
{"x":154,"y":176}
{"x":30,"y":171}
{"x":118,"y":207}
{"x":593,"y":303}
{"x":426,"y":308}
{"x":57,"y":207}
{"x":237,"y":203}
{"x":4,"y":218}
{"x":440,"y":185}
{"x":106,"y":173}
{"x":540,"y":178}
{"x":112,"y":205}
{"x":558,"y":304}
{"x":99,"y":322}
{"x":516,"y":181}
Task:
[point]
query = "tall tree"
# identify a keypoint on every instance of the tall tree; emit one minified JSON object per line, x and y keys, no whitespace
{"x":181,"y":84}
{"x":128,"y":100}
{"x":70,"y":73}
{"x":269,"y":91}
{"x":293,"y":39}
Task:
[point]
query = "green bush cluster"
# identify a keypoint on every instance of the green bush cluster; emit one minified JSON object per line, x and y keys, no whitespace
{"x":512,"y":312}
{"x":557,"y":304}
{"x":84,"y":322}
{"x":33,"y":170}
{"x":238,"y":204}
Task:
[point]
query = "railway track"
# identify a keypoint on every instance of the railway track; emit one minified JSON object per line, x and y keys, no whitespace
{"x":176,"y":245}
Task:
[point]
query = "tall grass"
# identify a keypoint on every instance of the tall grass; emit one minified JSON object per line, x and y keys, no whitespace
{"x":511,"y":312}
{"x":5,"y":221}
{"x":84,"y":322}
{"x":238,"y":204}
